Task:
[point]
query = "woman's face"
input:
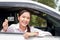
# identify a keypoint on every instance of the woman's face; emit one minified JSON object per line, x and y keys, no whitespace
{"x":24,"y":19}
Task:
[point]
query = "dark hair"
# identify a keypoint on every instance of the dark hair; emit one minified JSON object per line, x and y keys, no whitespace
{"x":20,"y":13}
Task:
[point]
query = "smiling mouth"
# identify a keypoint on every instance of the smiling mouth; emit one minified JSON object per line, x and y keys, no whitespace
{"x":24,"y":23}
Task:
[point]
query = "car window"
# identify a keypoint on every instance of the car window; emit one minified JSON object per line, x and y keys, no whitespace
{"x":42,"y":17}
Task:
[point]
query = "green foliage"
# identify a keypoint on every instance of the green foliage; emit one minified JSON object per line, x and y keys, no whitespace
{"x":50,"y":3}
{"x":59,"y":8}
{"x":38,"y":21}
{"x":33,"y":20}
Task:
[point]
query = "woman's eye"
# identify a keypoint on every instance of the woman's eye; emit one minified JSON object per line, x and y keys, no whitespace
{"x":23,"y":16}
{"x":28,"y":17}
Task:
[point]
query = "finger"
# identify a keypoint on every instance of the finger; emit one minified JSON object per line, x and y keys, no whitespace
{"x":26,"y":36}
{"x":6,"y":20}
{"x":5,"y":23}
{"x":36,"y":33}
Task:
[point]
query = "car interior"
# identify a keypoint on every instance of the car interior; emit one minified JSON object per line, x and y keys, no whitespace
{"x":10,"y":13}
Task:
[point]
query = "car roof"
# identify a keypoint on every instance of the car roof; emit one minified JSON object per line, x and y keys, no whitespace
{"x":33,"y":2}
{"x":38,"y":6}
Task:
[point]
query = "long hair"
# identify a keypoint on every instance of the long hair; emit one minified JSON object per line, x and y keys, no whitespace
{"x":20,"y":13}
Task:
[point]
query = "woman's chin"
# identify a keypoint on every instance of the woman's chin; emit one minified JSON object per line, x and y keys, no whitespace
{"x":24,"y":25}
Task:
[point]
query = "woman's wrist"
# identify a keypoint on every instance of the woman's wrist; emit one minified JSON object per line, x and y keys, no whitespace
{"x":28,"y":34}
{"x":4,"y":30}
{"x":35,"y":34}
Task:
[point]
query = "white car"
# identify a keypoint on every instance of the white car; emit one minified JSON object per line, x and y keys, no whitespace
{"x":10,"y":9}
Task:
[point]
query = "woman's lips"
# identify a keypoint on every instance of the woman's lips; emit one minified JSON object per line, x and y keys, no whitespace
{"x":25,"y":23}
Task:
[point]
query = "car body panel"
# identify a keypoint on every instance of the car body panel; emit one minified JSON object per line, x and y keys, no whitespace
{"x":54,"y":16}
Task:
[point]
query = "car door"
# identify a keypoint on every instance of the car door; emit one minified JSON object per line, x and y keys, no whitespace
{"x":52,"y":17}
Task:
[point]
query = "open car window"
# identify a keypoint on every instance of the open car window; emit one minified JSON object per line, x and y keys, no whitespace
{"x":43,"y":17}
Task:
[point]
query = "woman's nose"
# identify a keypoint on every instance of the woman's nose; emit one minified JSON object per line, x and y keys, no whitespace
{"x":25,"y":19}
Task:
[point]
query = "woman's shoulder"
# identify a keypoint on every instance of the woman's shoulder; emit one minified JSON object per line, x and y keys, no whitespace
{"x":14,"y":25}
{"x":42,"y":32}
{"x":32,"y":28}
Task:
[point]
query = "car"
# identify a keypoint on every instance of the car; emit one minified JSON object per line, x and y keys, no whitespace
{"x":9,"y":10}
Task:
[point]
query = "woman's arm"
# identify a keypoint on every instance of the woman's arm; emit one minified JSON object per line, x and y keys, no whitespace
{"x":28,"y":34}
{"x":9,"y":29}
{"x":41,"y":32}
{"x":36,"y":32}
{"x":5,"y":26}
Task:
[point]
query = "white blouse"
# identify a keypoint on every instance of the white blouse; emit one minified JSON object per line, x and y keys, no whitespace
{"x":14,"y":28}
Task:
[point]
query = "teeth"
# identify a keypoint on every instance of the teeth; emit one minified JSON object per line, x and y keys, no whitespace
{"x":24,"y":22}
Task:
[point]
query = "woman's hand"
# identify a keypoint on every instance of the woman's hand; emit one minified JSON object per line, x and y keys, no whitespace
{"x":5,"y":25}
{"x":28,"y":34}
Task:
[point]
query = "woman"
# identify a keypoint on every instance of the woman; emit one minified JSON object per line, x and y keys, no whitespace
{"x":22,"y":26}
